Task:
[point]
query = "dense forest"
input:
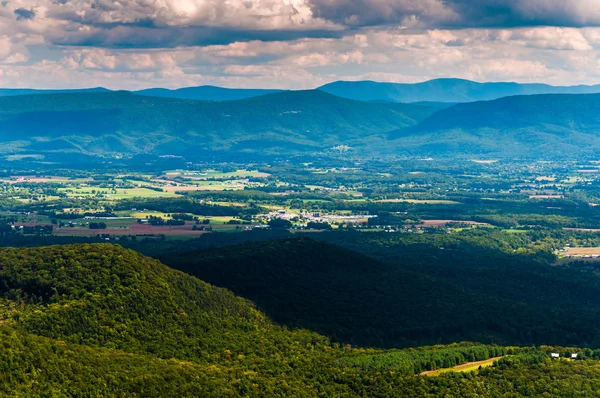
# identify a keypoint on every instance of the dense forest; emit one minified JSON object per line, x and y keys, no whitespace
{"x":99,"y":320}
{"x":417,"y":292}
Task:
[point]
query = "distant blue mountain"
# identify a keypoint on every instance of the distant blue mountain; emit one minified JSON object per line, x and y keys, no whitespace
{"x":444,"y":90}
{"x":202,"y":93}
{"x":125,"y":123}
{"x":439,"y":93}
{"x":206,"y":93}
{"x":11,"y":92}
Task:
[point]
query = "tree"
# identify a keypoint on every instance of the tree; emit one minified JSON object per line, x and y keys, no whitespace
{"x":97,"y":225}
{"x":280,"y":223}
{"x":319,"y":226}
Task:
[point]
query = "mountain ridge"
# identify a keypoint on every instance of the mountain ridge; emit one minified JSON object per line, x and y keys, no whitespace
{"x":122,"y":122}
{"x":526,"y":125}
{"x":442,"y":90}
{"x":445,"y":90}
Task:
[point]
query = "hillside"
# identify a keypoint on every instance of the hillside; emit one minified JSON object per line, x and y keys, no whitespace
{"x":106,"y":296}
{"x":201,"y":93}
{"x":552,"y":125}
{"x":444,"y":90}
{"x":419,"y":295}
{"x":206,"y":93}
{"x":99,"y":320}
{"x":123,"y":123}
{"x":10,"y":92}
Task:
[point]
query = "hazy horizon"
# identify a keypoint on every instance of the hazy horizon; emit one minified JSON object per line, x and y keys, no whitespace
{"x":225,"y":86}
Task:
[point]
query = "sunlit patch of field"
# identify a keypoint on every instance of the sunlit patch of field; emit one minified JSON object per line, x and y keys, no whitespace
{"x":19,"y":179}
{"x":207,"y":174}
{"x":479,"y":161}
{"x":12,"y":158}
{"x":546,"y":197}
{"x":583,"y":251}
{"x":146,"y":214}
{"x":418,"y":201}
{"x":465,"y":368}
{"x":442,"y":223}
{"x":121,"y":193}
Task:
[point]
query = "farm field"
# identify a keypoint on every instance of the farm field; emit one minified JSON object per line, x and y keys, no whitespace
{"x":207,"y":174}
{"x":18,"y":179}
{"x":136,"y":229}
{"x":464,"y":368}
{"x":442,"y":223}
{"x":583,"y":251}
{"x":418,"y":201}
{"x":120,"y":193}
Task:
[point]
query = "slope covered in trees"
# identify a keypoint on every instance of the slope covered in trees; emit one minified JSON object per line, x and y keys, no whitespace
{"x":123,"y":123}
{"x":444,"y":90}
{"x":440,"y":290}
{"x":206,"y":93}
{"x":106,"y":296}
{"x":553,"y":125}
{"x":100,"y":320}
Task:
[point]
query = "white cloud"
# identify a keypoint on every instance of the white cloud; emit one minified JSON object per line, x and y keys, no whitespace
{"x":295,"y":43}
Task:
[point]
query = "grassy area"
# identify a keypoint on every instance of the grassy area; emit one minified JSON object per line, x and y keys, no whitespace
{"x":484,"y":161}
{"x":417,"y":201}
{"x":217,"y":174}
{"x":465,"y":368}
{"x":121,"y":193}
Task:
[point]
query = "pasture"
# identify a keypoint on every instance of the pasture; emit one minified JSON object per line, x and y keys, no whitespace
{"x":464,"y":368}
{"x":582,"y":251}
{"x":419,"y":201}
{"x":115,"y":194}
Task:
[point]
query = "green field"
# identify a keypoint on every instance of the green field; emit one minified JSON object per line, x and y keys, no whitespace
{"x":418,"y":201}
{"x":465,"y":368}
{"x":217,"y":174}
{"x":109,"y":193}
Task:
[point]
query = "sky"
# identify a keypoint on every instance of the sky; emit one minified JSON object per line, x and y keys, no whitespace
{"x":295,"y":44}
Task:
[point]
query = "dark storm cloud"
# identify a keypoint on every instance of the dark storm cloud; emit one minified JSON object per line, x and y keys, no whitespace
{"x":140,"y":36}
{"x":523,"y":13}
{"x":460,"y":13}
{"x":23,"y":13}
{"x":170,"y":23}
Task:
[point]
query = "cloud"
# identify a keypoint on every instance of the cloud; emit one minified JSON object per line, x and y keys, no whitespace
{"x":172,"y":23}
{"x":458,"y":14}
{"x":23,"y":13}
{"x":188,"y":23}
{"x":295,"y":43}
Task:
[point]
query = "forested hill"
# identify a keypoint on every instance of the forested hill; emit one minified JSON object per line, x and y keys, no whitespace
{"x":10,"y":92}
{"x":99,"y":320}
{"x":123,"y":123}
{"x":444,"y":90}
{"x":118,"y":124}
{"x":104,"y":295}
{"x":206,"y":93}
{"x":554,"y":125}
{"x":419,"y":295}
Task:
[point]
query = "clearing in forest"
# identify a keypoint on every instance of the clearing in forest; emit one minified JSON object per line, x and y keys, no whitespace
{"x":466,"y":367}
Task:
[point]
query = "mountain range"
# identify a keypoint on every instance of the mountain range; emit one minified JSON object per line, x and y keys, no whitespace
{"x":445,"y":90}
{"x":437,"y":90}
{"x":528,"y":126}
{"x":123,"y":124}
